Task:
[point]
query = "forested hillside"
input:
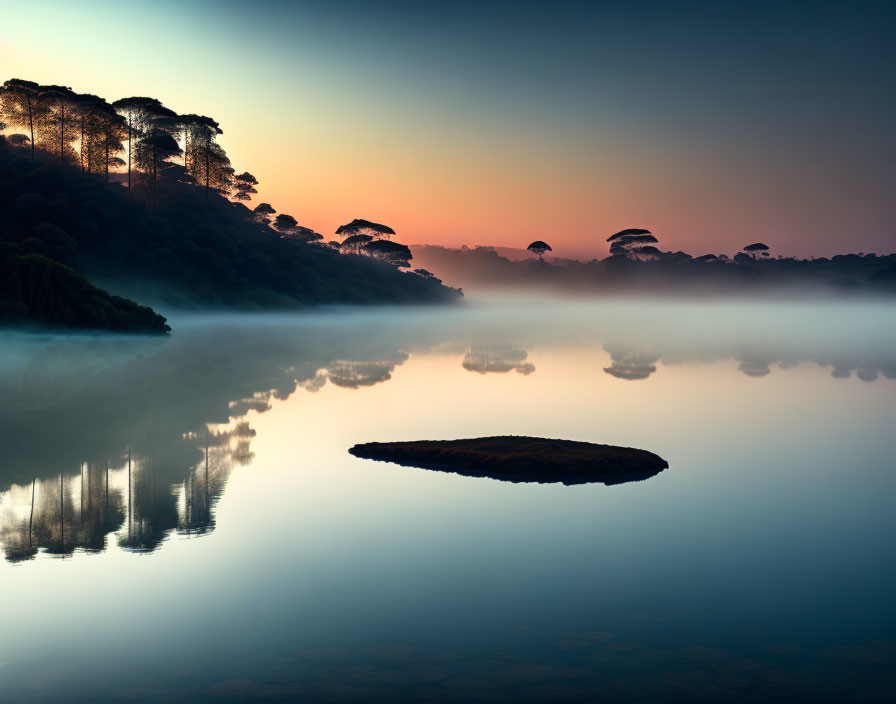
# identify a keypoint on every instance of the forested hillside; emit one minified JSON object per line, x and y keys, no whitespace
{"x":145,"y":202}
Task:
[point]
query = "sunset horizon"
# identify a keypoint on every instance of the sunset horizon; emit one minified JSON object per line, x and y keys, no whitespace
{"x":462,"y":127}
{"x":387,"y":351}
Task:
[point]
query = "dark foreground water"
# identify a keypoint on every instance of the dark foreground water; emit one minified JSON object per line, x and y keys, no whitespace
{"x":181,"y":521}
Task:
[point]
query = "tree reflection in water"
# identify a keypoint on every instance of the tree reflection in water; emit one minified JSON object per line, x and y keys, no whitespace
{"x":64,"y":514}
{"x":630,"y":364}
{"x":497,"y":357}
{"x":137,"y":437}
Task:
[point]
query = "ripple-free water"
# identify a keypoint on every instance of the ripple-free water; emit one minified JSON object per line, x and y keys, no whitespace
{"x":181,"y":519}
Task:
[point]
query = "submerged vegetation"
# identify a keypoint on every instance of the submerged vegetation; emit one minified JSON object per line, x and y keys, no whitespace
{"x":145,"y":201}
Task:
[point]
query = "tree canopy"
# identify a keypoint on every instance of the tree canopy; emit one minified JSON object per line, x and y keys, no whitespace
{"x":359,"y":226}
{"x":538,"y":247}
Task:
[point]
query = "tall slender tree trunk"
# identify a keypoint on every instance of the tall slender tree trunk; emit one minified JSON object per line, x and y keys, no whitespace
{"x":61,"y":130}
{"x":31,"y":125}
{"x":130,"y":146}
{"x":207,"y":496}
{"x":208,"y":148}
{"x":152,"y":185}
{"x":31,"y":516}
{"x":62,"y":514}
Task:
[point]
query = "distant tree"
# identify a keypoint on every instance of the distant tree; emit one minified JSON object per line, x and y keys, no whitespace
{"x":143,"y":117}
{"x":244,"y":185}
{"x":306,"y":234}
{"x":193,"y":128}
{"x":398,"y":255}
{"x":216,"y":171}
{"x":111,"y":131}
{"x":102,"y":134}
{"x":285,"y":223}
{"x":262,"y":213}
{"x":647,"y":251}
{"x":21,"y":105}
{"x":354,"y":244}
{"x":753,"y":250}
{"x":634,"y":243}
{"x":426,"y":274}
{"x":204,"y":159}
{"x":539,"y":248}
{"x":365,"y":227}
{"x":86,"y":105}
{"x":289,"y":227}
{"x":154,"y":150}
{"x":60,"y":127}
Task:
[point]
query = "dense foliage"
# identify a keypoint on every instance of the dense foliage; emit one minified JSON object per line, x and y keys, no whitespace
{"x":637,"y":266}
{"x":145,"y":200}
{"x":191,"y":249}
{"x":34,"y":288}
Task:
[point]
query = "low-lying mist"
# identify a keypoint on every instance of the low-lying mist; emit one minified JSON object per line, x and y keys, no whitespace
{"x":72,"y":398}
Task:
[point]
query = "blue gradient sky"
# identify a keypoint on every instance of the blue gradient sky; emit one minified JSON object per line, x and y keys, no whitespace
{"x":712,"y":124}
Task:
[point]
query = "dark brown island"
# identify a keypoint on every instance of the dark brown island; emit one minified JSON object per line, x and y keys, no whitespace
{"x":515,"y":458}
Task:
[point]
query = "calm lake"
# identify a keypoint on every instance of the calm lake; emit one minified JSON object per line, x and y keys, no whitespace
{"x":180,"y":519}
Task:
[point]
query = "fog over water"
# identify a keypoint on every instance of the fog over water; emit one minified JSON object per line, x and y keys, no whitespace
{"x":219,"y":542}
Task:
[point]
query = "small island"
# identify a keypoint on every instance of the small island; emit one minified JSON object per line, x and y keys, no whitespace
{"x":517,"y":458}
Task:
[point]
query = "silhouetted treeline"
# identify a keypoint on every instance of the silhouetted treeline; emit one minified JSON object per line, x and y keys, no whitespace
{"x":188,"y":251}
{"x":139,"y":133}
{"x":647,"y":269}
{"x":145,"y":201}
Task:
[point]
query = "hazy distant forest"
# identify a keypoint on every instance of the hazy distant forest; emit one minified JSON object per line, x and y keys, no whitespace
{"x":146,"y":202}
{"x":137,"y":199}
{"x":636,"y":264}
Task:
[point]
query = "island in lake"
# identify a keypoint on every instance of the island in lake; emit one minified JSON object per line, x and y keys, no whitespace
{"x":517,"y":458}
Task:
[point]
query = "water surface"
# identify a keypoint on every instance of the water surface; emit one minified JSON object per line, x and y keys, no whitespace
{"x":181,"y":520}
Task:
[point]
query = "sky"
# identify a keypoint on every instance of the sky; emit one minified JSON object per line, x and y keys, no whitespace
{"x":713,"y":124}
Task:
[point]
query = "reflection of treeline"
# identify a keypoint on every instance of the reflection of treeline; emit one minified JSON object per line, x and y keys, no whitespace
{"x":632,"y":363}
{"x":142,"y":499}
{"x":180,"y":231}
{"x":74,"y":398}
{"x":655,"y":270}
{"x":206,"y":481}
{"x":62,"y":514}
{"x":167,"y":480}
{"x":497,"y":357}
{"x":68,"y":399}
